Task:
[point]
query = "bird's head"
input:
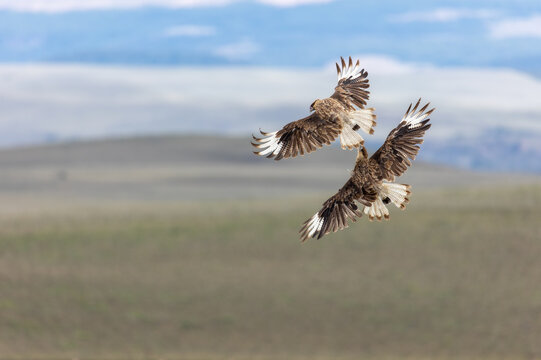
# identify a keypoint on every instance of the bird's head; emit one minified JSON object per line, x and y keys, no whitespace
{"x":313,"y":104}
{"x":362,"y":153}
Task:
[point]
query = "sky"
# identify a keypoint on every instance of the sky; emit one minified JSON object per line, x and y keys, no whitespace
{"x":78,"y":69}
{"x":294,"y":33}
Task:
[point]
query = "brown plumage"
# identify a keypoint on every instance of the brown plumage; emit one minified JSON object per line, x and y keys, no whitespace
{"x":340,"y":114}
{"x":367,"y":183}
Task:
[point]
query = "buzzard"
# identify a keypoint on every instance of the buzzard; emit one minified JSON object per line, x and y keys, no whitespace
{"x":341,"y":114}
{"x":367,"y":183}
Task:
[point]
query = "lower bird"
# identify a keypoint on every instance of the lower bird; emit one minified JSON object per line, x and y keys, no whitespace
{"x":372,"y":180}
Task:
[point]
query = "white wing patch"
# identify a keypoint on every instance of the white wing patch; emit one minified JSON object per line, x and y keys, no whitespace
{"x":348,"y":71}
{"x":313,"y":226}
{"x":414,"y":117}
{"x":269,"y":144}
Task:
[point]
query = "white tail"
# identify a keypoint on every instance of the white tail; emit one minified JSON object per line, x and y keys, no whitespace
{"x":397,"y":193}
{"x":365,"y":119}
{"x":389,"y":192}
{"x":349,"y":138}
{"x":377,"y":210}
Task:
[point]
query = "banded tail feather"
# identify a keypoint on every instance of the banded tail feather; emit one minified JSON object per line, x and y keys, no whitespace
{"x":398,"y":194}
{"x":364,"y":119}
{"x":350,"y":139}
{"x":388,"y":193}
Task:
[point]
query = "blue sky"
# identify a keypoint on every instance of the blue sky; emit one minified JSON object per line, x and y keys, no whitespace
{"x":284,"y":33}
{"x":76,"y":69}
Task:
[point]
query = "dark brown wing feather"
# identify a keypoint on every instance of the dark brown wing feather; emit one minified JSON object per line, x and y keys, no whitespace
{"x":338,"y":209}
{"x":402,"y":144}
{"x":352,"y":85}
{"x":298,"y":137}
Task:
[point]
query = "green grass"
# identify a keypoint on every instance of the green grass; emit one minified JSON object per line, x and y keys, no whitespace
{"x":457,"y":275}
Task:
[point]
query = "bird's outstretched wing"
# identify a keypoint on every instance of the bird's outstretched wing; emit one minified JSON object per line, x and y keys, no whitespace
{"x":298,"y":137}
{"x":352,"y":84}
{"x":336,"y":211}
{"x":402,"y":143}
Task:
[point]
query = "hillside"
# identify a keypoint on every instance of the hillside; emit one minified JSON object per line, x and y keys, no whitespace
{"x":184,"y":168}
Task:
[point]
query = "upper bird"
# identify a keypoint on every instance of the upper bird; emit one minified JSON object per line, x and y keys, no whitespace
{"x":366,"y":184}
{"x":341,"y":114}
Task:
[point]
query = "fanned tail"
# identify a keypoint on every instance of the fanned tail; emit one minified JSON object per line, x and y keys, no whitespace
{"x":363,"y":119}
{"x":377,"y":210}
{"x":349,"y":138}
{"x":396,"y":193}
{"x":388,"y":193}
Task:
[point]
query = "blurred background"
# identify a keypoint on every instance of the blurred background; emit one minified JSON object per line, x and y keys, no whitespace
{"x":135,"y":222}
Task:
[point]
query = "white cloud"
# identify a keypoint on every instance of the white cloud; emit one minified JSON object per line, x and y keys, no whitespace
{"x":81,"y":5}
{"x":105,"y":101}
{"x":520,"y":27}
{"x":241,"y":50}
{"x":287,"y":3}
{"x":383,"y":65}
{"x":443,"y":15}
{"x":189,"y":30}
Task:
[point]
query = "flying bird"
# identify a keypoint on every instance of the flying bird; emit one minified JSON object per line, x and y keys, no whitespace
{"x":342,"y":113}
{"x":372,"y":180}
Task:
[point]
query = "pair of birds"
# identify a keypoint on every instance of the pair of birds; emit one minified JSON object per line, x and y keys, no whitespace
{"x":372,"y":180}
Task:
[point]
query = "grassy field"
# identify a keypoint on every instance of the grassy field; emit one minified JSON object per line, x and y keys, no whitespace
{"x":457,"y":275}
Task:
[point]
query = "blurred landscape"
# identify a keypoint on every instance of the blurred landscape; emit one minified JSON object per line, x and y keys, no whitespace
{"x":135,"y":221}
{"x":181,"y":168}
{"x":477,"y":125}
{"x":187,"y":247}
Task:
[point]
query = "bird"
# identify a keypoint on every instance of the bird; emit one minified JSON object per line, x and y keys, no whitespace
{"x":343,"y":113}
{"x":372,"y":181}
